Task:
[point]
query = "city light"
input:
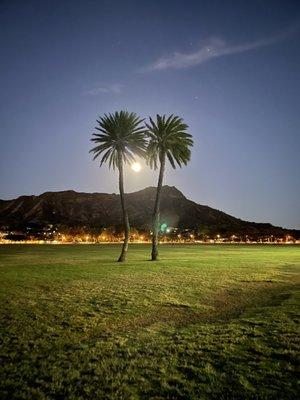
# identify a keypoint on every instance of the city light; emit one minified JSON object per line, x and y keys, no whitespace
{"x":166,"y":235}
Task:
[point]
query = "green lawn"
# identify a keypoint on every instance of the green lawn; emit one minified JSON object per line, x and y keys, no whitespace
{"x":205,"y":322}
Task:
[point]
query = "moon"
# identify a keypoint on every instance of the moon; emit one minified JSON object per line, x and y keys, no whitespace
{"x":136,"y":167}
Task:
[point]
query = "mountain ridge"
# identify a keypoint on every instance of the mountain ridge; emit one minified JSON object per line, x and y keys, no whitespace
{"x":145,"y":190}
{"x":98,"y":209}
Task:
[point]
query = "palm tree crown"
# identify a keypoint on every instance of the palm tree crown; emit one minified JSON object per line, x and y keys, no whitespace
{"x":168,"y":137}
{"x":121,"y":136}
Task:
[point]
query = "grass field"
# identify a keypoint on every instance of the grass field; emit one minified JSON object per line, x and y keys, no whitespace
{"x":205,"y":322}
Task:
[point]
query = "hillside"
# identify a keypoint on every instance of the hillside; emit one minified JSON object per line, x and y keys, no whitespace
{"x":92,"y":210}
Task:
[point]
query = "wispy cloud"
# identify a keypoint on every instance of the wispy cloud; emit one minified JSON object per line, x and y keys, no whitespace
{"x":210,"y":49}
{"x":115,"y":88}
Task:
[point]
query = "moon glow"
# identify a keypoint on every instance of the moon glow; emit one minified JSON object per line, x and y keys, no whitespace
{"x":136,"y":167}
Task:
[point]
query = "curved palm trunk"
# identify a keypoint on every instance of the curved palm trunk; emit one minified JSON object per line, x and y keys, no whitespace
{"x":156,"y":213}
{"x":124,"y":211}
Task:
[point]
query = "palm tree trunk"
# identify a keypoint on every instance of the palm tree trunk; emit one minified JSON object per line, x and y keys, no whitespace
{"x":122,"y":257}
{"x":156,"y":212}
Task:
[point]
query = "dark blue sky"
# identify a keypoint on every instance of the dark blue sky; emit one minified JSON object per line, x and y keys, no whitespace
{"x":231,"y":69}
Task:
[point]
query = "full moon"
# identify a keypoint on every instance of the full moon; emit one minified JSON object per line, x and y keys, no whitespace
{"x":136,"y":167}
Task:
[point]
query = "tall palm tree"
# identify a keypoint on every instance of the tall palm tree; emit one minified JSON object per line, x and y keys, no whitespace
{"x":168,"y":140}
{"x":121,"y":137}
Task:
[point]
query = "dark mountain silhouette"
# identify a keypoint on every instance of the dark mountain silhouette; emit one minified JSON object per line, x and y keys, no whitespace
{"x":70,"y":208}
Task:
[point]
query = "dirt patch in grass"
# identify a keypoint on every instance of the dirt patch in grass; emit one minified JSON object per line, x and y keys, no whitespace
{"x":227,"y":305}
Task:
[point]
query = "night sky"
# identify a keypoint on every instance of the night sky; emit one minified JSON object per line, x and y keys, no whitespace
{"x":231,"y":69}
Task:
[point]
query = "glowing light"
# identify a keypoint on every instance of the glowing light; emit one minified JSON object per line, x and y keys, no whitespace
{"x":136,"y":167}
{"x":163,"y":227}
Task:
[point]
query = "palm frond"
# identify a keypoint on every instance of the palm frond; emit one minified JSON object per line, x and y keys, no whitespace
{"x":168,"y":136}
{"x":122,"y":134}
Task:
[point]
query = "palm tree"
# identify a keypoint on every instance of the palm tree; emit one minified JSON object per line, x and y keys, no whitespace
{"x":168,"y":140}
{"x":122,"y":137}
